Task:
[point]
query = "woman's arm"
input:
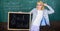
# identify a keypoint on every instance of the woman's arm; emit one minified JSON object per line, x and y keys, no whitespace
{"x":50,"y":11}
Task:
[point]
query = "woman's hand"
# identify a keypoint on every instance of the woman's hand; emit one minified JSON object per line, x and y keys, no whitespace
{"x":45,"y":4}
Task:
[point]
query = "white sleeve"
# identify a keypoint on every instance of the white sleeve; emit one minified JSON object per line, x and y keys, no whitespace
{"x":50,"y":11}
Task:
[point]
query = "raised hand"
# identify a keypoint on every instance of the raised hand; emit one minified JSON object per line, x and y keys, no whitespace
{"x":45,"y":4}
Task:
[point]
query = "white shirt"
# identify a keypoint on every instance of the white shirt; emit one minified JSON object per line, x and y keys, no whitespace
{"x":38,"y":17}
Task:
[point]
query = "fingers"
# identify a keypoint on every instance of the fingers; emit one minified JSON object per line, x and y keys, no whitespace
{"x":45,"y":4}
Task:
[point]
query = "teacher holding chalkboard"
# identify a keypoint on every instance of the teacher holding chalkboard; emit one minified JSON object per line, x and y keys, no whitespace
{"x":40,"y":16}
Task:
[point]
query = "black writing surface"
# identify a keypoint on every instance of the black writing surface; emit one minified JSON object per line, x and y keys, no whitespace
{"x":19,"y":20}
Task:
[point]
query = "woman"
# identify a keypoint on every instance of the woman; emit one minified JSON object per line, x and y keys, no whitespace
{"x":40,"y":14}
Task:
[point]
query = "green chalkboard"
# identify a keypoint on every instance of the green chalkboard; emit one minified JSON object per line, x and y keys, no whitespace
{"x":26,"y":6}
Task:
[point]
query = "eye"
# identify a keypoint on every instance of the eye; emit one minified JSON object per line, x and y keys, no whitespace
{"x":39,"y":5}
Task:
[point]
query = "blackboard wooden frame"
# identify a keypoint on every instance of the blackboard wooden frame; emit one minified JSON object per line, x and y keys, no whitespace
{"x":20,"y":13}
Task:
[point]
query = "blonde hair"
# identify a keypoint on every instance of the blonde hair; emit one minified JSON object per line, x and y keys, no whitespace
{"x":41,"y":3}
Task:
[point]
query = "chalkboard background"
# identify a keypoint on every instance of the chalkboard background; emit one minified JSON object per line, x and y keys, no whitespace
{"x":26,"y":6}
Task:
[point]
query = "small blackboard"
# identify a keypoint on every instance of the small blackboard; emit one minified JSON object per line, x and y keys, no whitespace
{"x":18,"y":20}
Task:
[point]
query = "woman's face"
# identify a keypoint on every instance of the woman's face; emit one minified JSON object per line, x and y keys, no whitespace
{"x":39,"y":5}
